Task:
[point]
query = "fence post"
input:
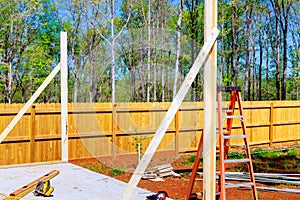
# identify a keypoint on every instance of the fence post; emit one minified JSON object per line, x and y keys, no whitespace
{"x":113,"y":135}
{"x":32,"y":134}
{"x":271,"y":124}
{"x":177,"y":121}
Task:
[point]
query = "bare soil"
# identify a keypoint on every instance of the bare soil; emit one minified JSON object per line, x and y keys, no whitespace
{"x":177,"y":187}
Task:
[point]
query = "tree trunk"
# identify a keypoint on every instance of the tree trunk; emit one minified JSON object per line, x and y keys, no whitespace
{"x":267,"y":73}
{"x":254,"y":79}
{"x":277,"y":61}
{"x":246,"y":75}
{"x":178,"y":47}
{"x":141,"y":73}
{"x":233,"y":51}
{"x":285,"y":28}
{"x":149,"y":52}
{"x":260,"y":65}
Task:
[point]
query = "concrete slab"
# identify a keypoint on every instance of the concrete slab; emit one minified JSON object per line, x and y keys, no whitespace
{"x":73,"y":182}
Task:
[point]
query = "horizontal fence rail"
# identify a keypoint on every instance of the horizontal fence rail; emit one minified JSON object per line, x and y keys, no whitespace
{"x":106,"y":130}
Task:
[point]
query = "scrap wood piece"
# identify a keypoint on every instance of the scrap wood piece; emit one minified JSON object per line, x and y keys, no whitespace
{"x":160,"y":172}
{"x":149,"y":175}
{"x":162,"y":167}
{"x":21,"y":192}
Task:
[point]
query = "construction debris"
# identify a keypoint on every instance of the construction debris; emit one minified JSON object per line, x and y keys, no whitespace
{"x":265,"y":178}
{"x":159,"y":172}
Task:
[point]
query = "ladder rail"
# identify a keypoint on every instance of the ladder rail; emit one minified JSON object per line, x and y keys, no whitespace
{"x":229,"y":121}
{"x":250,"y":166}
{"x":195,"y":168}
{"x":221,"y":146}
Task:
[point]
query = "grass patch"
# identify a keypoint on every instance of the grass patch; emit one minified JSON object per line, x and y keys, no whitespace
{"x":190,"y":160}
{"x":115,"y":172}
{"x":236,"y":155}
{"x":102,"y":169}
{"x":97,"y":167}
{"x":286,"y":159}
{"x":270,"y":160}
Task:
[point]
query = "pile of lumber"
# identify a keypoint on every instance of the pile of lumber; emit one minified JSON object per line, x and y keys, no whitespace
{"x":159,"y":172}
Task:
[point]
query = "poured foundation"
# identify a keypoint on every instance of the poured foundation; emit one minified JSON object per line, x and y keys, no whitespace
{"x":73,"y":182}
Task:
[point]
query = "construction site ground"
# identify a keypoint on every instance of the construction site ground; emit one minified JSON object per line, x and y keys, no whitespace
{"x":73,"y":182}
{"x":177,"y":187}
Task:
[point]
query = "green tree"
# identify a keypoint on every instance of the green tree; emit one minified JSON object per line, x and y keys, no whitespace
{"x":21,"y":26}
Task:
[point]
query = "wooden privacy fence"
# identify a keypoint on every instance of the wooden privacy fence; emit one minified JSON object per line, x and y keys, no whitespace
{"x":101,"y":130}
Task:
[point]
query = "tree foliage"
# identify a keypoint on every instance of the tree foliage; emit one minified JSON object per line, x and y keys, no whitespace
{"x":124,"y":50}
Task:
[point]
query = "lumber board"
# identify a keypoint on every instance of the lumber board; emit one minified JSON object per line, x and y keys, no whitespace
{"x":64,"y":96}
{"x":209,"y":100}
{"x":201,"y":58}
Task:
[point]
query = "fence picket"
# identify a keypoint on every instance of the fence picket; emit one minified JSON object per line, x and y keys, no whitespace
{"x":92,"y":133}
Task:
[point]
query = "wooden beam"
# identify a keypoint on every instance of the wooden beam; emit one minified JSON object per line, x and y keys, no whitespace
{"x":64,"y":96}
{"x":201,"y":58}
{"x":209,"y":88}
{"x":29,"y":103}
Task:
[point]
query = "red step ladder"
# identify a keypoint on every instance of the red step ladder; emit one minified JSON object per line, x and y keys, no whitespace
{"x":225,"y":136}
{"x":224,"y":144}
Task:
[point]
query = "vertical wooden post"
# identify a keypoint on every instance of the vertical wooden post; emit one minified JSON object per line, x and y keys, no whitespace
{"x":271,"y":124}
{"x":64,"y":96}
{"x":209,"y":139}
{"x":32,"y":134}
{"x":177,"y":132}
{"x":113,"y":135}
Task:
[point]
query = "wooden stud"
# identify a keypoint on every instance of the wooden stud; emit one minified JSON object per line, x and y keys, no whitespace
{"x":64,"y":96}
{"x":209,"y":88}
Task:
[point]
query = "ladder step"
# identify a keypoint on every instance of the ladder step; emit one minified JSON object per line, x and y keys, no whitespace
{"x":238,"y":146}
{"x":234,"y":136}
{"x":228,"y":88}
{"x":226,"y":110}
{"x":236,"y":160}
{"x":225,"y":132}
{"x":233,"y":117}
{"x":231,"y":185}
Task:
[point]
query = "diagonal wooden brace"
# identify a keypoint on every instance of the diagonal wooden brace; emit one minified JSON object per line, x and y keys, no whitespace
{"x":201,"y":58}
